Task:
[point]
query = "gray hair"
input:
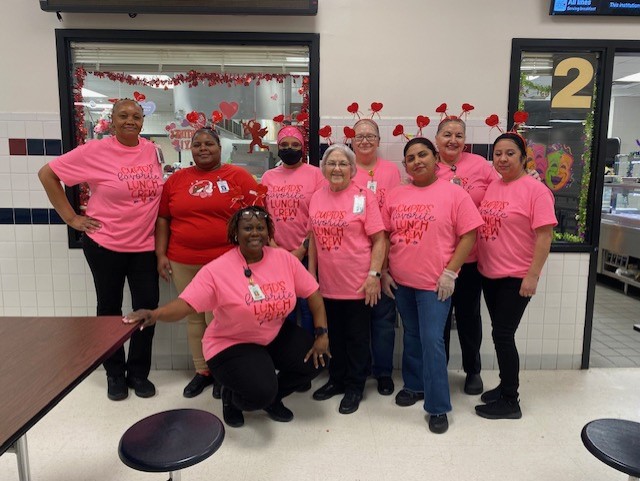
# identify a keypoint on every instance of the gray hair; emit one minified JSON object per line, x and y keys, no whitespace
{"x":351,"y":157}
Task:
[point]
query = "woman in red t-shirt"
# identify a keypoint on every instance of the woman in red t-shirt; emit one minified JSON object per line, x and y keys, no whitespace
{"x":191,"y":230}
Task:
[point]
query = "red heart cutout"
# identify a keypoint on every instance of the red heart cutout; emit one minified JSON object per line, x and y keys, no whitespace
{"x":492,"y":120}
{"x":349,"y":133}
{"x":302,"y":116}
{"x":422,"y":121}
{"x":353,"y":108}
{"x":170,"y":126}
{"x":520,"y":117}
{"x":278,"y":118}
{"x":325,"y":131}
{"x":192,"y":117}
{"x":467,"y":107}
{"x":216,"y":116}
{"x":376,"y":107}
{"x":399,"y":130}
{"x":139,"y":97}
{"x":442,"y":108}
{"x":228,"y":109}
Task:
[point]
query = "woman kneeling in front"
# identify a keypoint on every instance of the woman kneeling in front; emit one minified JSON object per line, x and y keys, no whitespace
{"x":251,"y":289}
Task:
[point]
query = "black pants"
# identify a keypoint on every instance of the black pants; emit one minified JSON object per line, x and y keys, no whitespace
{"x":349,"y":336}
{"x":249,"y":370}
{"x":506,"y":307}
{"x":109,"y":270}
{"x":466,"y":302}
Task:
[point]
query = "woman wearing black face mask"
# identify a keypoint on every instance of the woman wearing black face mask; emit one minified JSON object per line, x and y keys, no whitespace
{"x":290,"y":186}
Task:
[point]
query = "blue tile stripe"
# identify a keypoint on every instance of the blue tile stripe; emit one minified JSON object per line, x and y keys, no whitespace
{"x":9,"y":216}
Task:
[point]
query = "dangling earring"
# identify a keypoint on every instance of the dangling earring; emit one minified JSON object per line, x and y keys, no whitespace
{"x":235,"y":239}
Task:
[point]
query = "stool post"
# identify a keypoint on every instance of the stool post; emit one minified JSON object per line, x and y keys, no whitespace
{"x":22,"y":454}
{"x":174,"y":476}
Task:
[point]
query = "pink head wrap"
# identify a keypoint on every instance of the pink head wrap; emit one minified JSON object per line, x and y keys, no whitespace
{"x":290,"y":131}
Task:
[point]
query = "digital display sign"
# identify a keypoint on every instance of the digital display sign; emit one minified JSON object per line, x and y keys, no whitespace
{"x":622,"y":8}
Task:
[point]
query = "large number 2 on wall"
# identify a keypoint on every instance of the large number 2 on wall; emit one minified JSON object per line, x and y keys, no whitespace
{"x":567,"y":98}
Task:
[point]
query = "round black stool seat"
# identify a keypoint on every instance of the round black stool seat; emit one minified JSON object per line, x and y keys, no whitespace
{"x":171,"y":440}
{"x":615,"y":442}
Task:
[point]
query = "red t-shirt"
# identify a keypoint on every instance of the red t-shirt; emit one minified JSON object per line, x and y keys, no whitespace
{"x":199,"y":204}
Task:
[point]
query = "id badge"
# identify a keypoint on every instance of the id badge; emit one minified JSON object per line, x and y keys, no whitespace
{"x":372,"y":185}
{"x":256,"y":292}
{"x":358,"y":204}
{"x":223,"y":187}
{"x":159,"y":155}
{"x":456,"y":181}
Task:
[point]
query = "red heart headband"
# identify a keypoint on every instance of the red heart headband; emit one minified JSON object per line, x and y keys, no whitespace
{"x":519,"y":119}
{"x":421,"y":121}
{"x":300,"y":118}
{"x":442,"y":110}
{"x":375,"y":109}
{"x":238,"y":198}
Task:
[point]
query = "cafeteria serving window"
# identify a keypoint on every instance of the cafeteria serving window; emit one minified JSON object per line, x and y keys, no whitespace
{"x":245,"y":85}
{"x":558,"y":90}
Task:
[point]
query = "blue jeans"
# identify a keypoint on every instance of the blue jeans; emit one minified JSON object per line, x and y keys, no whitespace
{"x":306,"y":318}
{"x":383,"y":335}
{"x":424,"y":362}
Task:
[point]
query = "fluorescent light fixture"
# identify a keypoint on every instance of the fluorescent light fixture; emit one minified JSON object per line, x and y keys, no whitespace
{"x":94,"y":106}
{"x":297,"y":59}
{"x":90,"y":93}
{"x":534,"y":67}
{"x":532,"y":77}
{"x":299,"y":73}
{"x":630,"y":78}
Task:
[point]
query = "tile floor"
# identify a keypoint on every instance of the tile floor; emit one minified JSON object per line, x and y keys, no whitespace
{"x":614,"y":343}
{"x":78,"y":439}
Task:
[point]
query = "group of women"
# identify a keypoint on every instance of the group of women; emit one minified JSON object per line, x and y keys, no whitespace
{"x":360,"y":245}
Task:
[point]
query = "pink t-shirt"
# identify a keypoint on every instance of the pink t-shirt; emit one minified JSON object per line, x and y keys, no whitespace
{"x":386,"y":176}
{"x":221,"y":287}
{"x":511,"y":212}
{"x":342,"y":238}
{"x":425,"y":224}
{"x":475,"y":174}
{"x":288,"y":198}
{"x":125,"y":183}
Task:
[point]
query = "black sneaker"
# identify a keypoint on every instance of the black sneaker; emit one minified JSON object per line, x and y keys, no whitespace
{"x":408,"y":398}
{"x":197,"y":385}
{"x":117,"y":389}
{"x":304,"y":387}
{"x":473,"y":384}
{"x":491,"y":396}
{"x":350,"y":402}
{"x":327,"y":391}
{"x":385,"y":385}
{"x":142,"y":387}
{"x":279,"y":412}
{"x":232,"y":415}
{"x":500,"y":409}
{"x":438,"y":423}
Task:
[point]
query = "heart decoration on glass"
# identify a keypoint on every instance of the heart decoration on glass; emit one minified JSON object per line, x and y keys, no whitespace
{"x":228,"y":109}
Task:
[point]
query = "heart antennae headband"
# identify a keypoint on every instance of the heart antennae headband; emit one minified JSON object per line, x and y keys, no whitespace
{"x":421,"y":121}
{"x":375,"y":109}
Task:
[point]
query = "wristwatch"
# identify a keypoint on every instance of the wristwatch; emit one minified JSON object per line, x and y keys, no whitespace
{"x":319,"y":331}
{"x":375,"y":274}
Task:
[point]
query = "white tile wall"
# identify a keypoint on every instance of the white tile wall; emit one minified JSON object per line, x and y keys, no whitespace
{"x":40,"y":275}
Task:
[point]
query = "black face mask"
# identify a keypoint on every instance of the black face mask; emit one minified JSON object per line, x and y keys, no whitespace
{"x":290,"y":156}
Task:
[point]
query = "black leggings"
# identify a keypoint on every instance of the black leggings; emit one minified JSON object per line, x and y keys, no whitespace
{"x":249,"y":370}
{"x":109,"y":270}
{"x":506,"y":307}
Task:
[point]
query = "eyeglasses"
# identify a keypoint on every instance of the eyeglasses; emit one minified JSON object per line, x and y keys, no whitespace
{"x":369,"y":137}
{"x":248,"y":214}
{"x":333,"y":165}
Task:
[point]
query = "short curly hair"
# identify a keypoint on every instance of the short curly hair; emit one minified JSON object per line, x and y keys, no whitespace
{"x":251,"y":211}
